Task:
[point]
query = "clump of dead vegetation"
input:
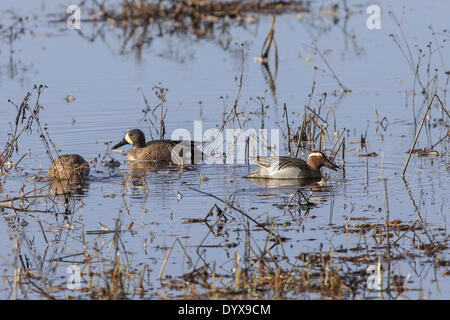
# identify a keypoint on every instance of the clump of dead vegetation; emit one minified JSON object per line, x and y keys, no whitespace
{"x":140,"y":22}
{"x":263,"y":271}
{"x":430,"y":84}
{"x":27,"y":121}
{"x":26,"y":117}
{"x":191,"y":14}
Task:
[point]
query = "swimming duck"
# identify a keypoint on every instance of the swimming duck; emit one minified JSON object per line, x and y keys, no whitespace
{"x":168,"y":151}
{"x":69,"y":167}
{"x":292,"y":168}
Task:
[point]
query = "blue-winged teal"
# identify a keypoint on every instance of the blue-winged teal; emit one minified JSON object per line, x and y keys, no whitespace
{"x":69,"y":167}
{"x":166,"y":151}
{"x":291,"y":168}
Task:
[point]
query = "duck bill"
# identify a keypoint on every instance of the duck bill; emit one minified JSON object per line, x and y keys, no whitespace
{"x":120,"y":144}
{"x":331,"y":165}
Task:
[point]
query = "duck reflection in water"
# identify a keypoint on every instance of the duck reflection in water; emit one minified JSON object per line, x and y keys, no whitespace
{"x":60,"y":187}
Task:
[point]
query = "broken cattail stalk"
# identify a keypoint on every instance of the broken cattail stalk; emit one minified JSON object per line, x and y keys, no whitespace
{"x":417,"y":134}
{"x":268,"y":42}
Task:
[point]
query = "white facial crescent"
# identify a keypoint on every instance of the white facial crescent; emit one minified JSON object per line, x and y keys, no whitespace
{"x":127,"y":139}
{"x":315,"y":154}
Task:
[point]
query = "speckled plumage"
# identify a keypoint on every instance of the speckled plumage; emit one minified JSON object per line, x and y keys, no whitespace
{"x":69,"y":167}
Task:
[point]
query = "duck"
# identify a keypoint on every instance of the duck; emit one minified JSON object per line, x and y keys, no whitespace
{"x":70,"y":167}
{"x":280,"y":167}
{"x":160,"y":151}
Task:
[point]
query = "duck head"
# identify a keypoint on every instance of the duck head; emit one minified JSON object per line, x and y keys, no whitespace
{"x":318,"y":159}
{"x":134,"y":137}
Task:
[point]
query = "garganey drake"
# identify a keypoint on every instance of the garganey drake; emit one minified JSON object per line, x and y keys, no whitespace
{"x":291,"y":168}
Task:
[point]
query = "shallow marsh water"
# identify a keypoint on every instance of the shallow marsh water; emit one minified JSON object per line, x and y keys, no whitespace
{"x":200,"y":76}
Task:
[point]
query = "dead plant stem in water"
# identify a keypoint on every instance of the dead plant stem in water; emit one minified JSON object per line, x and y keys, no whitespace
{"x":420,"y":128}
